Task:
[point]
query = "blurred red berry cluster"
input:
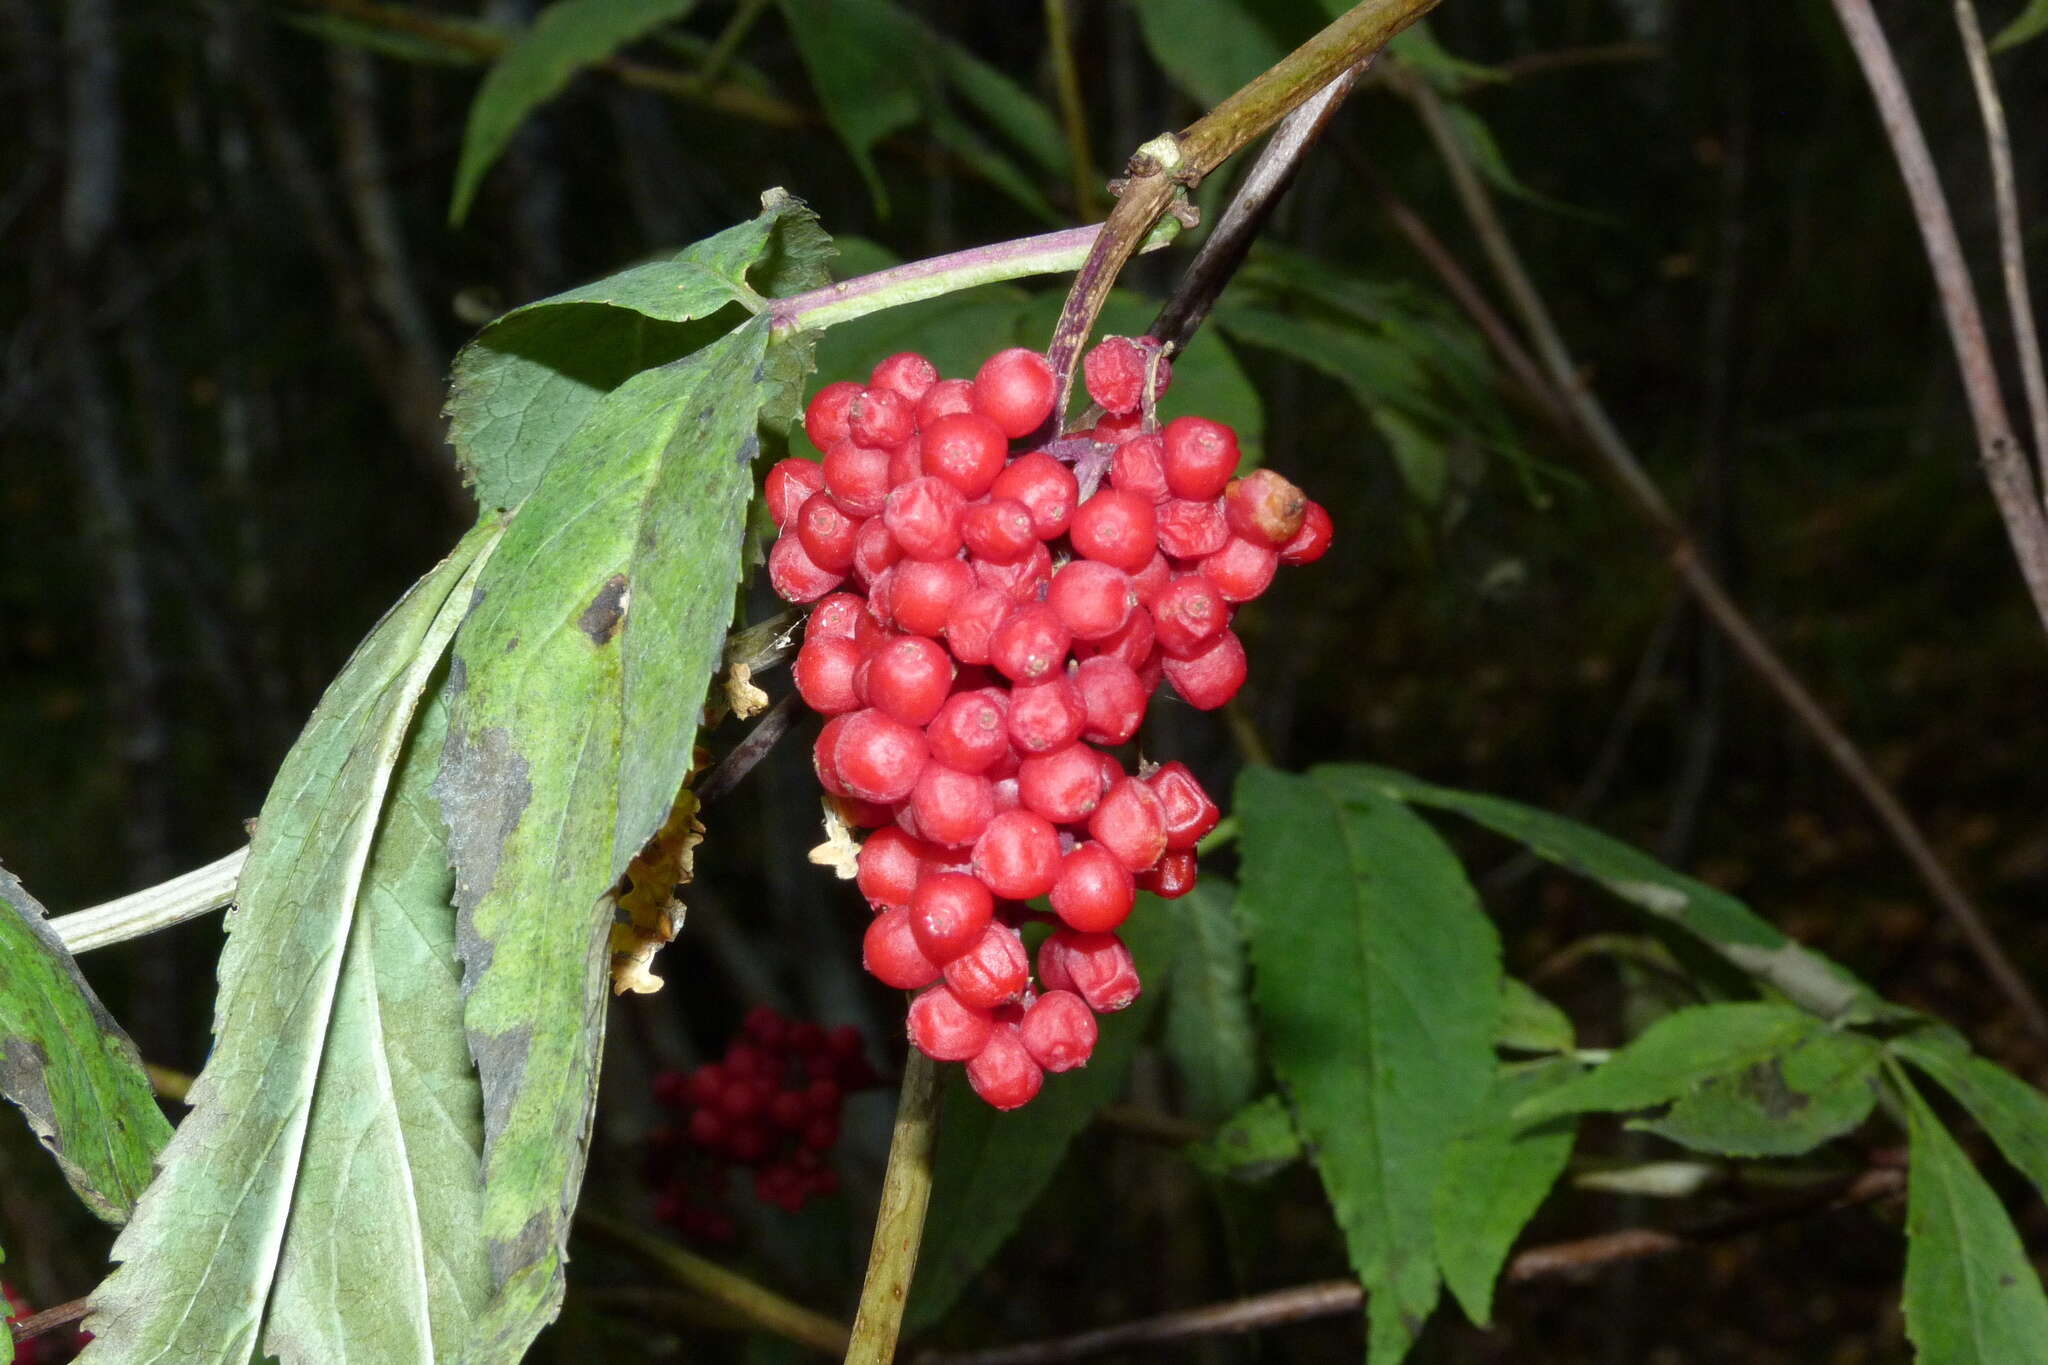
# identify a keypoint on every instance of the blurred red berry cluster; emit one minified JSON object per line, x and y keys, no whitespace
{"x":993,"y":613}
{"x":770,"y":1106}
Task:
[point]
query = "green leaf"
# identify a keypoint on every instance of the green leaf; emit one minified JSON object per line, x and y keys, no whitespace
{"x":2030,"y":23}
{"x":578,"y":681}
{"x":991,"y":1166}
{"x":1971,"y":1295}
{"x":2014,"y":1113}
{"x":1212,"y":48}
{"x":568,"y":36}
{"x":527,"y":381}
{"x":1530,"y":1023}
{"x":1750,"y":1079}
{"x":329,"y":1159}
{"x":1495,"y":1177}
{"x":1714,"y":917}
{"x":69,"y":1068}
{"x":1014,"y":111}
{"x":1417,"y":47}
{"x":1256,"y":1141}
{"x":404,"y":47}
{"x":1378,"y":984}
{"x":862,"y":56}
{"x":1208,"y":1016}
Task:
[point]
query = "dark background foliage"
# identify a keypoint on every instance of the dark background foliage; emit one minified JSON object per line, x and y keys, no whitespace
{"x":232,"y":294}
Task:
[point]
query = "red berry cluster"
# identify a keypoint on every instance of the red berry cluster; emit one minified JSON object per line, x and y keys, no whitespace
{"x":1014,"y":610}
{"x":770,"y":1104}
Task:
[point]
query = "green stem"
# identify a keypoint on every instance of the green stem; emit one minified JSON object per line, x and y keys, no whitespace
{"x":761,"y":1308}
{"x":1059,"y":36}
{"x":899,"y":1222}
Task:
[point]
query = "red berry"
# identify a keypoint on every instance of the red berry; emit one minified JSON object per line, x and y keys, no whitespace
{"x":1139,"y":466}
{"x":1112,"y":699}
{"x":1264,"y":508}
{"x":1093,"y":600}
{"x":1188,"y":811}
{"x":821,"y":1134}
{"x":789,"y":483}
{"x":1003,"y":1072}
{"x":890,"y":953}
{"x":965,"y":449}
{"x":1151,"y":580}
{"x":908,"y":679}
{"x":907,"y":372}
{"x":1241,"y":570}
{"x":742,"y":1100}
{"x":1030,"y":644}
{"x":1200,"y":455}
{"x":877,"y":758}
{"x":1117,"y":528}
{"x":944,"y":398}
{"x":835,"y":617}
{"x":824,"y":671}
{"x":1018,"y":855}
{"x":1188,"y":614}
{"x":1133,"y":645}
{"x":1014,"y":389}
{"x":1045,"y":486}
{"x":999,"y":530}
{"x":881,"y":418}
{"x":827,"y":533}
{"x":948,"y":911}
{"x":1115,"y":373}
{"x":1312,"y":541}
{"x":1130,"y":823}
{"x":825,"y":417}
{"x":823,"y":1096}
{"x":971,"y":730}
{"x":1212,"y":675}
{"x":993,"y":972}
{"x":1021,"y":579}
{"x":972,"y":623}
{"x":806,"y":1038}
{"x":946,"y":1030}
{"x":951,"y":807}
{"x":924,"y":592}
{"x":707,"y":1128}
{"x":825,"y":757}
{"x":1099,"y":967}
{"x":1189,"y":530}
{"x":906,"y":462}
{"x":1046,"y":715}
{"x":1115,"y":430}
{"x":1058,"y":1030}
{"x":924,"y":516}
{"x":1172,"y":878}
{"x":1095,"y":891}
{"x":858,"y":476}
{"x":874,"y":551}
{"x":889,"y":865}
{"x":704,"y":1085}
{"x":797,"y":577}
{"x":1063,"y":786}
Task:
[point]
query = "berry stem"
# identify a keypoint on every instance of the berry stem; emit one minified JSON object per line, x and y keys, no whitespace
{"x":1163,"y":169}
{"x":1047,"y":253}
{"x":899,"y":1222}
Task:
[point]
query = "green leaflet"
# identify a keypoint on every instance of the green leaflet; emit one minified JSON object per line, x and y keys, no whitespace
{"x":69,"y":1068}
{"x":2028,"y":24}
{"x":1495,"y":1177}
{"x":1212,"y":48}
{"x":576,"y":688}
{"x":1530,"y":1023}
{"x":991,"y":1167}
{"x":1253,"y":1143}
{"x":1715,"y":918}
{"x":1749,"y":1079}
{"x":1378,"y":981}
{"x":2014,"y":1113}
{"x":404,"y":47}
{"x":1971,"y":1295}
{"x":568,"y":36}
{"x":320,"y":1114}
{"x":1209,"y":1032}
{"x":526,"y":382}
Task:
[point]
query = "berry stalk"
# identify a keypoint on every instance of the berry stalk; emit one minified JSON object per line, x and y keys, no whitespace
{"x":899,"y":1222}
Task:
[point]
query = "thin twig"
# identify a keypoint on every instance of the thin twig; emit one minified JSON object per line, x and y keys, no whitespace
{"x":49,"y":1320}
{"x":2005,"y":464}
{"x":761,"y":1307}
{"x":899,"y":1221}
{"x":1622,"y":467}
{"x":2012,"y":256}
{"x":153,"y":908}
{"x":741,"y":758}
{"x":1227,"y":244}
{"x":1331,"y":1298}
{"x":1059,"y":36}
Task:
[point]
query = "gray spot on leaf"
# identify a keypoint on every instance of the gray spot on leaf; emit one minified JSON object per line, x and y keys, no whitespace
{"x":601,"y":619}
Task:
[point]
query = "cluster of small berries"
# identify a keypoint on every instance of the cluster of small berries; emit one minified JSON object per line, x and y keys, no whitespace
{"x":771,"y":1104}
{"x":1010,"y":616}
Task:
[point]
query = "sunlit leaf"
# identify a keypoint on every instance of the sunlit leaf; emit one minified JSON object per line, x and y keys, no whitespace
{"x":2014,"y":1113}
{"x":1377,"y":979}
{"x":68,"y":1067}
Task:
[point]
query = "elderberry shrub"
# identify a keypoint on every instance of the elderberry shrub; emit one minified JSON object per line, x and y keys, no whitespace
{"x":770,"y":1105}
{"x":987,"y":614}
